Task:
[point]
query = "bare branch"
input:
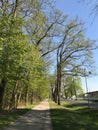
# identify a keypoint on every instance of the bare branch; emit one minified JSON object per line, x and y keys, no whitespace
{"x":16,"y":8}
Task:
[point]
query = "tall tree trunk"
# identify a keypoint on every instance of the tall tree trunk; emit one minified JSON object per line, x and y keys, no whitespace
{"x":14,"y":96}
{"x":32,"y":98}
{"x":59,"y":82}
{"x":26,"y":97}
{"x":59,"y":74}
{"x":18,"y":98}
{"x":2,"y":88}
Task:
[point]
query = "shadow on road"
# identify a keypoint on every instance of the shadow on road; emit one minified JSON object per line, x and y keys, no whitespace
{"x":34,"y":119}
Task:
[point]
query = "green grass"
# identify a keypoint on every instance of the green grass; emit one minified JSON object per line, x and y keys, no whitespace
{"x":73,"y":117}
{"x":8,"y":117}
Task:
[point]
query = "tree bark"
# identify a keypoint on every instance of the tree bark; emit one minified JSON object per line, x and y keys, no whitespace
{"x":32,"y":98}
{"x":14,"y":96}
{"x":2,"y":88}
{"x":18,"y":98}
{"x":59,"y":82}
{"x":16,"y":8}
{"x":26,"y":97}
{"x":59,"y":75}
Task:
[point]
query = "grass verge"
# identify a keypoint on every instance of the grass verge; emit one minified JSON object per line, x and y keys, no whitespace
{"x":8,"y":117}
{"x":73,"y":117}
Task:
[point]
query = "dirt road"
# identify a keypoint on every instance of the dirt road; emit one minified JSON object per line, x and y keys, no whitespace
{"x":36,"y":119}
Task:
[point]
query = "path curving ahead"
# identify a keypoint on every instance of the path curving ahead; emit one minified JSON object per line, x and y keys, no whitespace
{"x":36,"y":119}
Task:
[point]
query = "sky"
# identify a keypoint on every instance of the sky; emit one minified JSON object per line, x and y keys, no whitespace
{"x":74,"y":8}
